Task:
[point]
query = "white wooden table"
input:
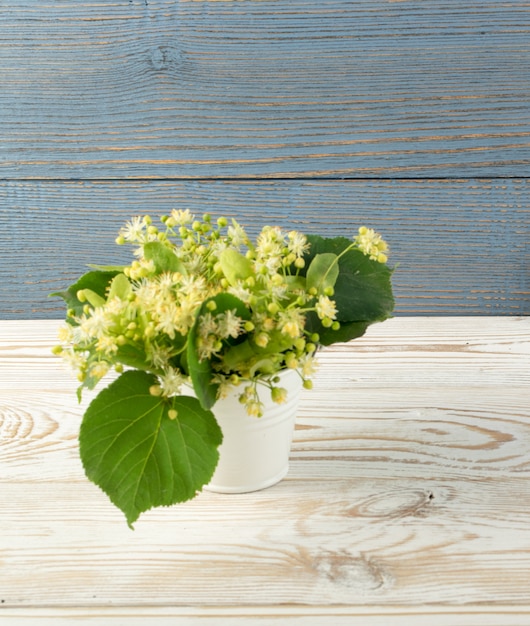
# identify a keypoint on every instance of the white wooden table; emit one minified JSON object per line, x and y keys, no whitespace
{"x":407,"y":501}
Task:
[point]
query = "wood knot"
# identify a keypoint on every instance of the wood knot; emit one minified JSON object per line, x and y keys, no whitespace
{"x":354,"y":572}
{"x":395,"y":504}
{"x":165,"y":58}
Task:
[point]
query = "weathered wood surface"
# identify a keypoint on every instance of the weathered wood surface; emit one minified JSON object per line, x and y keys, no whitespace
{"x":406,"y":501}
{"x":421,"y":106}
{"x":462,"y":246}
{"x":176,"y":88}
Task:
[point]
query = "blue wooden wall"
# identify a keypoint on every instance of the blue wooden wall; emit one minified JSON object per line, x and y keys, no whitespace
{"x":412,"y":117}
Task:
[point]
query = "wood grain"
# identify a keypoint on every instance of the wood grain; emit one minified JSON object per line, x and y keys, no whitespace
{"x":265,"y":89}
{"x":406,"y":501}
{"x":461,"y":246}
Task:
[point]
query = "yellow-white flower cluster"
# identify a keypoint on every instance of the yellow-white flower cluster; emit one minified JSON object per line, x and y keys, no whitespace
{"x":205,"y":287}
{"x":372,"y":244}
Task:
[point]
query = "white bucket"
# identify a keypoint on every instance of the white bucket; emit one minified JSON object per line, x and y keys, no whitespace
{"x":255,"y":450}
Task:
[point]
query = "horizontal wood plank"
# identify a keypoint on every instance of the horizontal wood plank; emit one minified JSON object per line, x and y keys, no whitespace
{"x":264,"y":88}
{"x":406,"y":497}
{"x":462,"y":246}
{"x":265,"y":616}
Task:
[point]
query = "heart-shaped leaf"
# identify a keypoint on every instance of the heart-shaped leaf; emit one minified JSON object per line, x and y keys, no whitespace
{"x":363,"y":291}
{"x":140,"y":457}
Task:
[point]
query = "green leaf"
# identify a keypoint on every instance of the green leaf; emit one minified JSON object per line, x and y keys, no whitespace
{"x":201,"y":374}
{"x":140,"y":457}
{"x":322,"y":272}
{"x":363,"y":290}
{"x":234,"y":265}
{"x":97,"y":281}
{"x":163,"y":258}
{"x":133,"y":356}
{"x":236,"y":355}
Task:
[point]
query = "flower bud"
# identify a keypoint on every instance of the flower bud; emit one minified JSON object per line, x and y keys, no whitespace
{"x":299,"y":344}
{"x":299,"y":263}
{"x":262,"y":339}
{"x":279,"y":395}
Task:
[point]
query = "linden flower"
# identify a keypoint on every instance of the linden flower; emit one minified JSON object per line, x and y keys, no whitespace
{"x":326,"y":308}
{"x":65,"y":333}
{"x":166,"y":315}
{"x":99,"y":369}
{"x":291,"y":323}
{"x":181,"y":217}
{"x":107,"y":344}
{"x":270,"y":242}
{"x":97,"y":325}
{"x":240,"y":291}
{"x":133,"y":231}
{"x":171,"y":382}
{"x":237,"y":235}
{"x":229,"y":324}
{"x":74,"y":360}
{"x":297,"y":243}
{"x":308,"y":365}
{"x":370,"y":243}
{"x":159,"y":355}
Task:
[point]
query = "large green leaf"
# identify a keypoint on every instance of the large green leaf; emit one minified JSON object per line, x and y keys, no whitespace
{"x":363,"y":291}
{"x":140,"y":457}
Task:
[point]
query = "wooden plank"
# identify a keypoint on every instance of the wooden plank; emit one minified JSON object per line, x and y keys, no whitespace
{"x":369,"y":88}
{"x":264,"y":616}
{"x":407,"y":494}
{"x":462,"y":246}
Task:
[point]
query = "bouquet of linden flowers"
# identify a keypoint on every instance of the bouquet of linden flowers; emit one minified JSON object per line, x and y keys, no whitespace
{"x":202,"y":306}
